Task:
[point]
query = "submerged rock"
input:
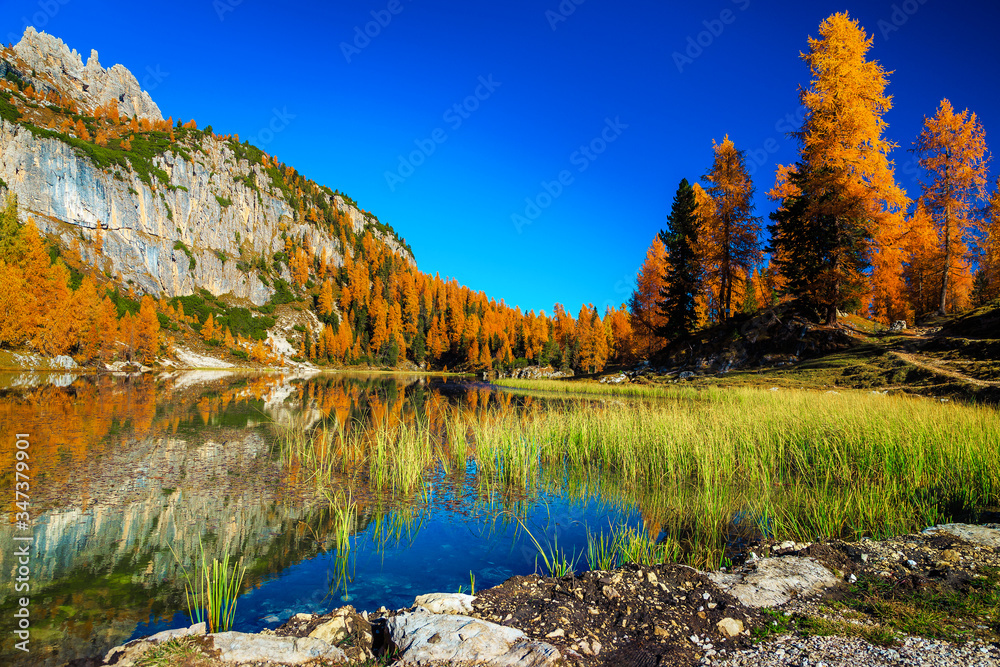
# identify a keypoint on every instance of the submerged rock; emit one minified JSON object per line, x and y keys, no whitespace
{"x":421,"y":637}
{"x":772,"y":582}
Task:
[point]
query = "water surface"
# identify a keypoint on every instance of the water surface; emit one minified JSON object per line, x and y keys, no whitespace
{"x":132,"y":477}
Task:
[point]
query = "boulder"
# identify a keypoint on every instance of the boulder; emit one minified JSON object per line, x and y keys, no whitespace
{"x":978,"y":535}
{"x":445,"y":603}
{"x":347,"y":624}
{"x":422,"y":637}
{"x":126,"y":655}
{"x":234,"y":647}
{"x":771,"y":582}
{"x":240,"y":647}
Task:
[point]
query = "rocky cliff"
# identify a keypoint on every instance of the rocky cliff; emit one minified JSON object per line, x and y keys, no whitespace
{"x":57,"y":68}
{"x":205,"y":218}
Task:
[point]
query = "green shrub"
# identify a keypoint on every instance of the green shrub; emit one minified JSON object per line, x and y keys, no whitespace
{"x":179,"y":245}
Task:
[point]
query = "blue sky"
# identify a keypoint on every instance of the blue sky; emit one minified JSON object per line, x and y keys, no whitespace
{"x":580,"y":108}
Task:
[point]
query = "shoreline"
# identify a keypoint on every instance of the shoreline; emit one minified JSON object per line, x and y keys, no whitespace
{"x":845,"y":603}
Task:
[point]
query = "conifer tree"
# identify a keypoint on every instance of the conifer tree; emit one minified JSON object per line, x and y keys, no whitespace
{"x":730,"y":230}
{"x":148,"y":334}
{"x":208,"y":328}
{"x":682,"y":279}
{"x":841,"y":199}
{"x":10,"y":231}
{"x":952,"y":151}
{"x":647,"y":319}
{"x":990,"y":249}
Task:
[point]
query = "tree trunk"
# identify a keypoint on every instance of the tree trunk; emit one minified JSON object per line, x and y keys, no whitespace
{"x":943,"y":310}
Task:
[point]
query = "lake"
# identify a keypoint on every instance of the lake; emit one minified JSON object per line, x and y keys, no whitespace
{"x":132,"y":477}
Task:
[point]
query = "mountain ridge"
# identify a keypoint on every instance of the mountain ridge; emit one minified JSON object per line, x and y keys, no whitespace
{"x":172,"y":218}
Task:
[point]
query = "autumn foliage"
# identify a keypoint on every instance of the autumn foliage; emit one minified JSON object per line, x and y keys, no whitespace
{"x":38,"y":309}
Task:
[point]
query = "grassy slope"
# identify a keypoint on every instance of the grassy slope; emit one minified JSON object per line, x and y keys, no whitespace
{"x":956,"y":357}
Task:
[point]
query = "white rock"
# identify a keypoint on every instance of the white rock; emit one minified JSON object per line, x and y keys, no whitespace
{"x":240,"y":647}
{"x":445,"y":603}
{"x":730,"y":627}
{"x":980,"y":535}
{"x":421,"y":637}
{"x":127,"y":654}
{"x":771,"y":582}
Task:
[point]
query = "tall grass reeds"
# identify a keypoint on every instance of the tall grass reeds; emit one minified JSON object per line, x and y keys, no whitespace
{"x":212,"y":594}
{"x":794,"y":464}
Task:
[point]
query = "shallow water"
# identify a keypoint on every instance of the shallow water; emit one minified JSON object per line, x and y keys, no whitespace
{"x":131,"y":477}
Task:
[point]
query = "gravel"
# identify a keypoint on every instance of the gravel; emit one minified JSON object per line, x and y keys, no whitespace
{"x":788,"y":650}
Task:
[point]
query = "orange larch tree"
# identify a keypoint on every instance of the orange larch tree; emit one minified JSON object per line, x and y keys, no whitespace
{"x":730,"y":231}
{"x":989,"y":250}
{"x":952,"y":151}
{"x":148,"y":334}
{"x":841,"y":199}
{"x":646,"y":317}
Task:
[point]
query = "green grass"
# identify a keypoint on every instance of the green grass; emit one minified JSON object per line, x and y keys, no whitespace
{"x":587,"y":387}
{"x":791,"y":464}
{"x":557,"y":563}
{"x":931,"y":611}
{"x":212,"y":594}
{"x":174,"y":652}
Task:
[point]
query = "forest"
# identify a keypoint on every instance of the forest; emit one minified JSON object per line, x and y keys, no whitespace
{"x":846,"y":237}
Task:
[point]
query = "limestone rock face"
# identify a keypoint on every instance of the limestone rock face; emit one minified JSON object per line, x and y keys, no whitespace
{"x":151,"y":233}
{"x":205,"y":219}
{"x":771,"y":582}
{"x":90,"y":85}
{"x":422,"y":637}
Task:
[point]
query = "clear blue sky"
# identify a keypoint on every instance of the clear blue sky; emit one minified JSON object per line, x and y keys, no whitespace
{"x":555,"y":84}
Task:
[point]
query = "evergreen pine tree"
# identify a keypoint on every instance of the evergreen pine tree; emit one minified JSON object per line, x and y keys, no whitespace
{"x":682,"y":281}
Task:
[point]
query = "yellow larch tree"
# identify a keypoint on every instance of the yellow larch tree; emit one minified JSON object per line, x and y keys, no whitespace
{"x":952,"y":151}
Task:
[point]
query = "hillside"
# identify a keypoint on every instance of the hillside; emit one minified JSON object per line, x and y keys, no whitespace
{"x":168,"y":208}
{"x":208,"y":226}
{"x":947,"y":357}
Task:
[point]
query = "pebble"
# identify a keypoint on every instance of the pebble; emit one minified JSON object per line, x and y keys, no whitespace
{"x":852,"y":652}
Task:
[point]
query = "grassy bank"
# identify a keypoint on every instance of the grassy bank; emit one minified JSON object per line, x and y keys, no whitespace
{"x":705,"y":468}
{"x":596,"y":388}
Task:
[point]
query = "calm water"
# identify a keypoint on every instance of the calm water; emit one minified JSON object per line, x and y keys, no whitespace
{"x":131,"y":477}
